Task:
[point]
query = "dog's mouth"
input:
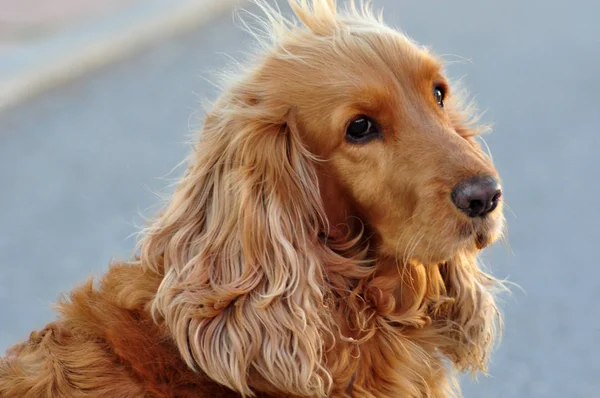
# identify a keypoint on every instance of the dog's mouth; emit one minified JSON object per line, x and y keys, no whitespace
{"x":484,"y":232}
{"x":481,"y":232}
{"x":482,"y":240}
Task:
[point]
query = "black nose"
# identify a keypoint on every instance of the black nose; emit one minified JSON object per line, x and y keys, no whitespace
{"x":477,"y":196}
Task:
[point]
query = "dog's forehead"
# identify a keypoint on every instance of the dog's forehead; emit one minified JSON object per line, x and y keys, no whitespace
{"x":404,"y":56}
{"x":391,"y":70}
{"x":359,"y":55}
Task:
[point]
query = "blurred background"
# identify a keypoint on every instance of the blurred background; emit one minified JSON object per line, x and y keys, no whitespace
{"x":98,"y":97}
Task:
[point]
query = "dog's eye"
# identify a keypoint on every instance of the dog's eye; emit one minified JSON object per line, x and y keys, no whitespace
{"x":362,"y":129}
{"x":439,"y":93}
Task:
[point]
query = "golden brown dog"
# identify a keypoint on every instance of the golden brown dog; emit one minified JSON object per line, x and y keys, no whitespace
{"x":322,"y":241}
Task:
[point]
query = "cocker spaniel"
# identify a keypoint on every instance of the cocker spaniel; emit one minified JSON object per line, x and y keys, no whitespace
{"x":322,"y":243}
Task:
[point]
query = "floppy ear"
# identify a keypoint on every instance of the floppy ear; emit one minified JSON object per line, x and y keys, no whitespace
{"x":472,"y":318}
{"x":242,"y":291}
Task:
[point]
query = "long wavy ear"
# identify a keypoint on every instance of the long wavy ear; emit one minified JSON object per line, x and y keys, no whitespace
{"x":242,"y":291}
{"x":473,"y":321}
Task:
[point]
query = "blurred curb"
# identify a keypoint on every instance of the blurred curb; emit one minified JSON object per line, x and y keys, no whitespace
{"x":26,"y":72}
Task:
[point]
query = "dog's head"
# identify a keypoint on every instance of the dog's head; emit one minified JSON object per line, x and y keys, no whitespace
{"x":397,"y":148}
{"x":345,"y":131}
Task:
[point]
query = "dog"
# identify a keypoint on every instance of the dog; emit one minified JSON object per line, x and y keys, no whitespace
{"x":322,"y":242}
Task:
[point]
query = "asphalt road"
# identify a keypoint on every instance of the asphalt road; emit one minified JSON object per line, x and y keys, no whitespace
{"x":79,"y":165}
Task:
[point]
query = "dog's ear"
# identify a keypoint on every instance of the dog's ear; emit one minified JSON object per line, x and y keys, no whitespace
{"x":242,"y":291}
{"x":472,"y":319}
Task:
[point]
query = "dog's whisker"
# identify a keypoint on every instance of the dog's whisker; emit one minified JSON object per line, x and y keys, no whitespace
{"x":461,"y":59}
{"x":487,"y":147}
{"x":509,"y":208}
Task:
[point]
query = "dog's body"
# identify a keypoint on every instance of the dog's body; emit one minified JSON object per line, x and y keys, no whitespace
{"x":322,"y":242}
{"x":105,"y":344}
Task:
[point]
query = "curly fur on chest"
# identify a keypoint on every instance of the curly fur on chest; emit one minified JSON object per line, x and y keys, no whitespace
{"x":105,"y":344}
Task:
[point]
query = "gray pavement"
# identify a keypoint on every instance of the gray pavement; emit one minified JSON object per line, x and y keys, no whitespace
{"x":79,"y":164}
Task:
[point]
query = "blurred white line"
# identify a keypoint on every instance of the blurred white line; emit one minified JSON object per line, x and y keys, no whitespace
{"x":71,"y":54}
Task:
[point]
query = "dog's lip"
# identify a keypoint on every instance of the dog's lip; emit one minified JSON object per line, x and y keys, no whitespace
{"x":482,"y":240}
{"x":488,"y":232}
{"x":481,"y":231}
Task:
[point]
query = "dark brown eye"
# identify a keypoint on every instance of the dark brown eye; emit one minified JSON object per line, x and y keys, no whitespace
{"x":362,"y":129}
{"x":439,"y":94}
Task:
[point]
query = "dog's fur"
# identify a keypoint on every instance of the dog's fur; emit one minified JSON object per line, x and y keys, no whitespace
{"x":291,"y":262}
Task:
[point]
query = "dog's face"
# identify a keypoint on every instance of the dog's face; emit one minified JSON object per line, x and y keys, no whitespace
{"x":397,"y":154}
